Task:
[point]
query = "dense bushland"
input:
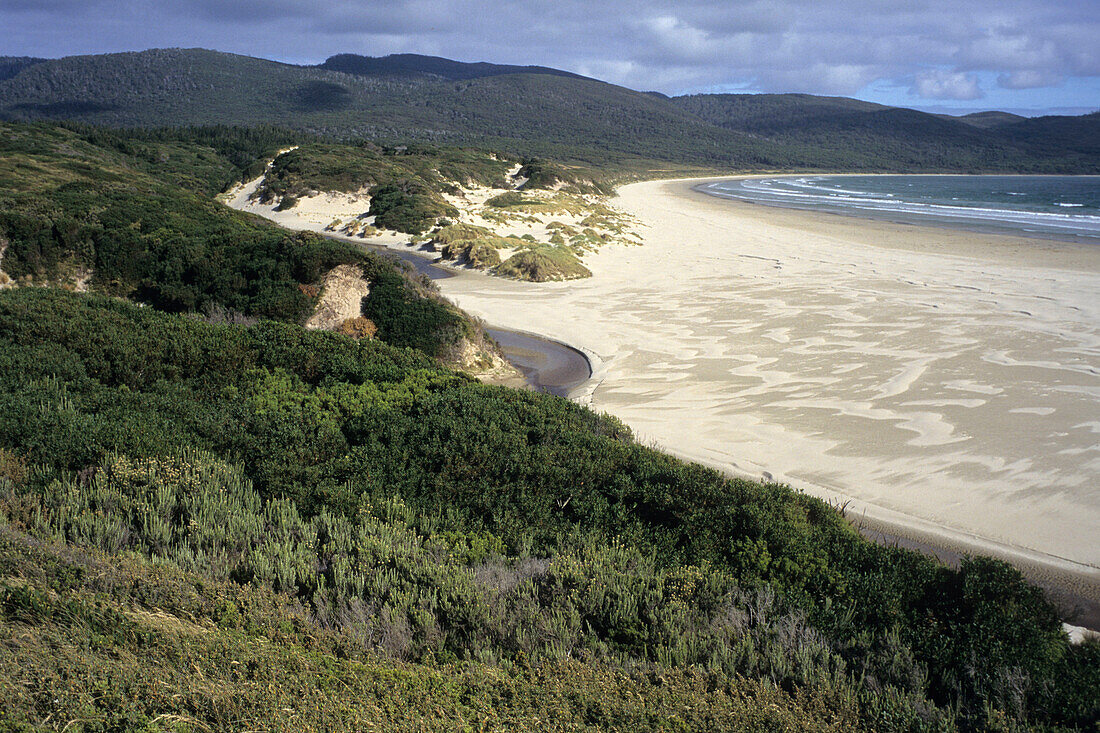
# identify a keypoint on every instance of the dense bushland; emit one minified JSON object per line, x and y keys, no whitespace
{"x":133,"y":214}
{"x":72,"y":209}
{"x":428,"y":517}
{"x":393,"y":101}
{"x":407,"y":206}
{"x":104,"y":642}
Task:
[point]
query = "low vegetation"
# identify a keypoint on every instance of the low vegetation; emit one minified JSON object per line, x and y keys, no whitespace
{"x":107,"y":641}
{"x":527,"y":259}
{"x":472,"y":245}
{"x":540,"y":264}
{"x":372,"y":516}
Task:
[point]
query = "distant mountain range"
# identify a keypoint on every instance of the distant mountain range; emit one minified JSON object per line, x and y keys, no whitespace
{"x":532,"y":110}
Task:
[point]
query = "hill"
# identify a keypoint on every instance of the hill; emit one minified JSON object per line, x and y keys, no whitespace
{"x":1072,"y":138}
{"x":411,"y":63}
{"x":528,"y":113}
{"x":369,"y":509}
{"x":847,"y":134}
{"x":986,"y":120}
{"x":523,"y":111}
{"x":134,"y":215}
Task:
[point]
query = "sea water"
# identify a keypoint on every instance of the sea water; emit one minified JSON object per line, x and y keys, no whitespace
{"x":1060,"y":207}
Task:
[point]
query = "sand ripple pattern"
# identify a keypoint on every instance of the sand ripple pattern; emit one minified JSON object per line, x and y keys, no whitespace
{"x":961,"y":391}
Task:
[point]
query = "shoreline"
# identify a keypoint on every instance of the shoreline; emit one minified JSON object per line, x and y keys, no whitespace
{"x":962,"y":223}
{"x":1073,"y":587}
{"x":924,"y":238}
{"x":645,"y":403}
{"x":1074,"y":592}
{"x":641,"y":379}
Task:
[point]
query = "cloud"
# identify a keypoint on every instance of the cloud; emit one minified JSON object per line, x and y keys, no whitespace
{"x":820,"y":78}
{"x":818,"y":46}
{"x":243,"y":11}
{"x":1029,"y":79}
{"x":46,"y":6}
{"x":940,"y":84}
{"x":679,"y":39}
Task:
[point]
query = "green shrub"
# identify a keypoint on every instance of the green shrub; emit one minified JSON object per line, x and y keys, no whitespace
{"x":543,"y":264}
{"x":432,"y":517}
{"x":407,"y":206}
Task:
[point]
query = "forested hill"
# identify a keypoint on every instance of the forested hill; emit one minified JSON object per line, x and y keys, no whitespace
{"x":12,"y":65}
{"x":534,"y":111}
{"x":843,"y":133}
{"x":527,"y":114}
{"x":414,"y":63}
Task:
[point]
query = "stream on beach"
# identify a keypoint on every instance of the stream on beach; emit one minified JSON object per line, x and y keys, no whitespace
{"x":547,"y":365}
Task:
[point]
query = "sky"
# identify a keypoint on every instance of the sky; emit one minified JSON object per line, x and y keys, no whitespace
{"x":1026,"y":56}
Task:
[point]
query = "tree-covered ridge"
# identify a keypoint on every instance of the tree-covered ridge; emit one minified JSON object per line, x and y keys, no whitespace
{"x":418,"y":64}
{"x":559,"y":116}
{"x":397,"y":100}
{"x":425,"y":516}
{"x":848,"y":134}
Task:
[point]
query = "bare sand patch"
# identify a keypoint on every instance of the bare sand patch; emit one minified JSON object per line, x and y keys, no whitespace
{"x":934,"y":379}
{"x":545,"y":233}
{"x":341,"y":298}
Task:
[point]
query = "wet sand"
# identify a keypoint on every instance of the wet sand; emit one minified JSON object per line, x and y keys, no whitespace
{"x":945,"y":384}
{"x":548,"y":366}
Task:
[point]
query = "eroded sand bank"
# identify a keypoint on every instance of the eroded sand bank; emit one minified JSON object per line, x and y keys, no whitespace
{"x":944,"y":381}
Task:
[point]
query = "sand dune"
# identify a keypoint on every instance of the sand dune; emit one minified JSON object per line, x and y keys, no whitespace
{"x":942,"y":380}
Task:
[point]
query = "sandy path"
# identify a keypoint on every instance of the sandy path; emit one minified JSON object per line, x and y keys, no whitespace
{"x":856,"y":359}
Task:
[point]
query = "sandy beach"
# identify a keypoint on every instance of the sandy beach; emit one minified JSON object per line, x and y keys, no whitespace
{"x":943,"y":382}
{"x":944,"y":386}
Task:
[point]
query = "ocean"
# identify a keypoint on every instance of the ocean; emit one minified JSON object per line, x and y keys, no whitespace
{"x":1056,"y":207}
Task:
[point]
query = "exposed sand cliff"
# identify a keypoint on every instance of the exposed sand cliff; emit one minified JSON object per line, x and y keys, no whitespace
{"x":341,"y":298}
{"x":5,"y":280}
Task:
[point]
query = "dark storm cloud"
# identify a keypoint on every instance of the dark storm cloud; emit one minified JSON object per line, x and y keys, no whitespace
{"x":934,"y":49}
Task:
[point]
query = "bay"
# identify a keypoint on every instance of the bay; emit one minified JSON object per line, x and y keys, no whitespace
{"x":1052,"y":207}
